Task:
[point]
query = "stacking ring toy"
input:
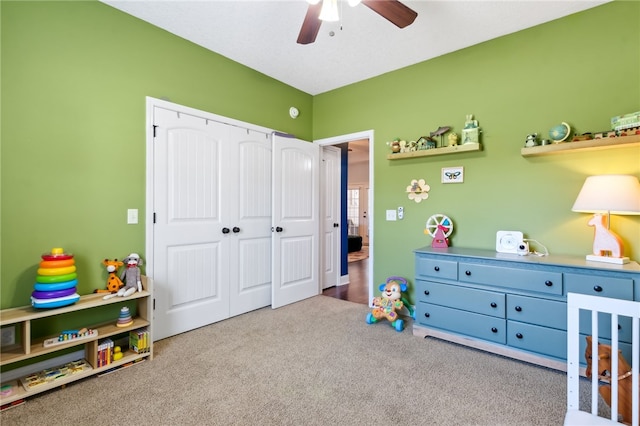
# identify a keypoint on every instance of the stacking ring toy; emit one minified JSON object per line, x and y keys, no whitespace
{"x":56,"y":278}
{"x":57,"y":263}
{"x":55,"y":286}
{"x":56,"y":271}
{"x":53,"y":294}
{"x":55,"y":303}
{"x":56,"y":257}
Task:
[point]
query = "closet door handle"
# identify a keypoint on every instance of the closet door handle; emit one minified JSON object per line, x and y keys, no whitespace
{"x":225,"y":230}
{"x":279,"y":229}
{"x":236,"y":229}
{"x":336,"y":225}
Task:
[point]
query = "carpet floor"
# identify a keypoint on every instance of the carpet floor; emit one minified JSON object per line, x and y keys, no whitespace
{"x":315,"y":362}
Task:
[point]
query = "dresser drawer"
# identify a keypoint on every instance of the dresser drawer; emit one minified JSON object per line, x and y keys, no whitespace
{"x":436,"y":268}
{"x":604,"y":326}
{"x":469,"y":299}
{"x":468,"y":323}
{"x":548,"y":313}
{"x":521,"y":279}
{"x":534,"y":338}
{"x":595,"y":285}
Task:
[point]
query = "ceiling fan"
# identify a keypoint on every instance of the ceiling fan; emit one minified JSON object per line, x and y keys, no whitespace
{"x":392,"y":10}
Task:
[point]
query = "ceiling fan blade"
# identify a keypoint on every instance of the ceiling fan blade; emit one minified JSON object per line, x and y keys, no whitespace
{"x":310,"y":25}
{"x":392,"y":10}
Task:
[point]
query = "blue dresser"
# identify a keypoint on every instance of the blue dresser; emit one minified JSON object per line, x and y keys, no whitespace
{"x":514,"y":305}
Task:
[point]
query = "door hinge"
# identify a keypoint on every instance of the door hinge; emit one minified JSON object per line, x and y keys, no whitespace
{"x":154,"y":130}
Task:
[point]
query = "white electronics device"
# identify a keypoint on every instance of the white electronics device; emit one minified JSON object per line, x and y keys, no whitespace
{"x":510,"y":242}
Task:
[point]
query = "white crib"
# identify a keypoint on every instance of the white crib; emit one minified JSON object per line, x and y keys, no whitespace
{"x":615,"y":308}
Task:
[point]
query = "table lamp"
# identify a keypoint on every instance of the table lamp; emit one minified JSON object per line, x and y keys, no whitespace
{"x":617,"y":194}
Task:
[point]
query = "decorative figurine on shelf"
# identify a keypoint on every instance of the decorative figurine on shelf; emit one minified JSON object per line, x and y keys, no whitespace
{"x":131,"y":277}
{"x":531,"y":140}
{"x":440,"y":131}
{"x":394,"y":145}
{"x":453,"y":139}
{"x":471,"y":131}
{"x":390,"y":303}
{"x":114,"y":283}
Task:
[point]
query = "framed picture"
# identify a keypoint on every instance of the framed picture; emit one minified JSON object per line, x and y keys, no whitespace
{"x":452,"y":175}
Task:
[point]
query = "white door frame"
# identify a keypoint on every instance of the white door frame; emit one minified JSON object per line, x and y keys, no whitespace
{"x":337,"y":140}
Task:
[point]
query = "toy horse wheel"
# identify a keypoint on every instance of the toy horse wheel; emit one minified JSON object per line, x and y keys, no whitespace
{"x":439,"y":220}
{"x":399,"y":325}
{"x":370,"y":318}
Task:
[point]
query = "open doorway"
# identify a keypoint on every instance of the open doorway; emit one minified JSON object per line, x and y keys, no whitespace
{"x":356,"y":283}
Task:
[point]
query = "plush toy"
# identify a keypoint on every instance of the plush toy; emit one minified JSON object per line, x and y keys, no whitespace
{"x":113,"y":282}
{"x":130,"y":277}
{"x":390,"y":303}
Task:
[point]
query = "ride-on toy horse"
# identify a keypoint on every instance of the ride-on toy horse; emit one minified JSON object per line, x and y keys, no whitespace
{"x":604,"y":375}
{"x":391,"y":302}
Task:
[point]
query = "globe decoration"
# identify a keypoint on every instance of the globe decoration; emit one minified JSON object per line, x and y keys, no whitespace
{"x":560,"y":132}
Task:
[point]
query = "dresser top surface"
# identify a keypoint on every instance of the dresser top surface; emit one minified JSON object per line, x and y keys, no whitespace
{"x":552,"y":260}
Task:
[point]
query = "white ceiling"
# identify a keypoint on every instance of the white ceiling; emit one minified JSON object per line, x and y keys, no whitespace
{"x":261,"y":34}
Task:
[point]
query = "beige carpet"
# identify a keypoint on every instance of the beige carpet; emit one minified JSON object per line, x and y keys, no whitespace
{"x":315,"y":362}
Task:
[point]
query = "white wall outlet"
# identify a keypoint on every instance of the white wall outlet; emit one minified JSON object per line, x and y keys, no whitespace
{"x":391,"y":215}
{"x":132,"y":216}
{"x":8,"y":336}
{"x":400,"y":213}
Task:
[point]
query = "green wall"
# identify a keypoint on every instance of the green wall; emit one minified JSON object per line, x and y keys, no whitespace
{"x":582,"y":69}
{"x":75,"y":76}
{"x":74,"y":80}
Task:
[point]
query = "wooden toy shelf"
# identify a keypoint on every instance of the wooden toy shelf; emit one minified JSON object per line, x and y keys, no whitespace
{"x":29,"y":347}
{"x":588,"y":145}
{"x":436,"y":151}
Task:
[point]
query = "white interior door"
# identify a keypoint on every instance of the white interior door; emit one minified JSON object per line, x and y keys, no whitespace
{"x":190,"y":251}
{"x":295,"y":221}
{"x":331,"y":170}
{"x":250,"y":237}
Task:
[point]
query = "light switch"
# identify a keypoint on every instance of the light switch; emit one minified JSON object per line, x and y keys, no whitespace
{"x":132,"y":216}
{"x":391,"y":215}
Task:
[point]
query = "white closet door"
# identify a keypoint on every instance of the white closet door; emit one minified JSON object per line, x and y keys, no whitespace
{"x":296,"y":223}
{"x":191,"y":253}
{"x":250,"y":245}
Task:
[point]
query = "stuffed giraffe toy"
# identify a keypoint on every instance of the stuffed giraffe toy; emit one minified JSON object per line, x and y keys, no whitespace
{"x":114,"y":283}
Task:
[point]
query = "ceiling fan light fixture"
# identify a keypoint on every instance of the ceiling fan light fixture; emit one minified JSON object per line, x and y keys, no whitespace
{"x":329,"y":11}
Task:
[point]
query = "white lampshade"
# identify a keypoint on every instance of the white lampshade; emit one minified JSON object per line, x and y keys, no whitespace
{"x":618,"y":194}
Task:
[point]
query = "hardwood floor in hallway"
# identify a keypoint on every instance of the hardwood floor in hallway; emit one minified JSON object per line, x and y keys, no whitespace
{"x":356,"y":291}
